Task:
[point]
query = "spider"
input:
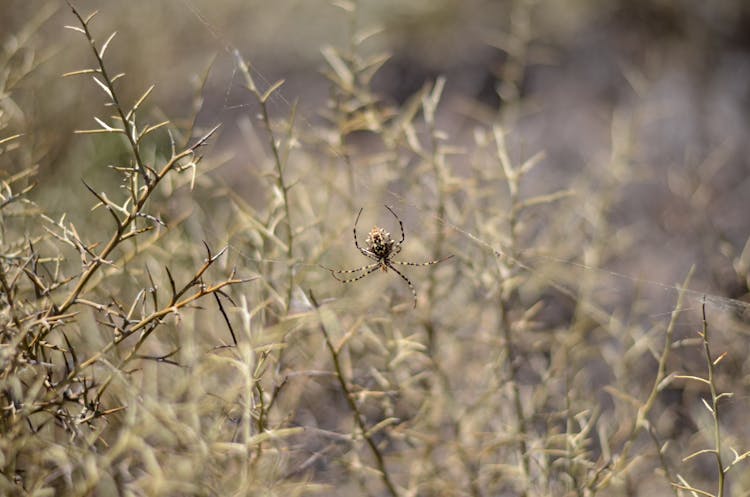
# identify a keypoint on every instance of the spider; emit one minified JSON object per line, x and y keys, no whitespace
{"x":380,"y":247}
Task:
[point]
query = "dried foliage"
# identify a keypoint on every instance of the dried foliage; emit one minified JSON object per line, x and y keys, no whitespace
{"x":136,"y":360}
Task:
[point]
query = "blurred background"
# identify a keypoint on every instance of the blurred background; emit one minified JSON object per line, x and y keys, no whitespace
{"x":675,"y":75}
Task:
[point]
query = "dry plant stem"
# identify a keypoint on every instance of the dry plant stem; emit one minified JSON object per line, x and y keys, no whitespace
{"x":8,"y":292}
{"x":513,"y":364}
{"x":149,"y":323}
{"x":129,"y":131}
{"x":641,"y":419}
{"x":471,"y":467}
{"x":512,"y":178}
{"x":122,"y":225}
{"x":281,"y":184}
{"x":430,"y":106}
{"x":715,"y":398}
{"x":662,"y":458}
{"x":359,"y":418}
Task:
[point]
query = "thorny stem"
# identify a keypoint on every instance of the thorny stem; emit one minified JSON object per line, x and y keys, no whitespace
{"x":513,"y":364}
{"x":568,"y":419}
{"x":661,"y":372}
{"x":280,"y":178}
{"x":129,"y":131}
{"x":437,"y":167}
{"x":513,"y":178}
{"x":359,"y":418}
{"x":281,"y":184}
{"x":641,"y":420}
{"x":148,"y":324}
{"x":430,"y":103}
{"x":8,"y":291}
{"x":715,"y":398}
{"x":122,"y":226}
{"x":662,"y":458}
{"x":436,"y":159}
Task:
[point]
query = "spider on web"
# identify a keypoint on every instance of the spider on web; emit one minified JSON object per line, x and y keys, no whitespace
{"x":381,"y":248}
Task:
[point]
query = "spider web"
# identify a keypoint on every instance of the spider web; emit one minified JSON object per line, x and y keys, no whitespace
{"x":609,"y":279}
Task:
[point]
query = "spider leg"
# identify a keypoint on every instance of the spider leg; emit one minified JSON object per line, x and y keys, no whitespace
{"x":413,"y":290}
{"x":367,"y":270}
{"x":369,"y":254}
{"x":355,"y":270}
{"x":428,"y":263}
{"x":356,"y":243}
{"x":400,"y":224}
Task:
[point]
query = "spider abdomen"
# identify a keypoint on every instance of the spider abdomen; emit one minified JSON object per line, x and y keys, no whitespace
{"x":380,"y":243}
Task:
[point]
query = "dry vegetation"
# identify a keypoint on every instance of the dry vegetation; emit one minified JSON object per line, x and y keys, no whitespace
{"x":167,"y":326}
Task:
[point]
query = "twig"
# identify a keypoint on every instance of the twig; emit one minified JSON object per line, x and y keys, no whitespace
{"x":359,"y":418}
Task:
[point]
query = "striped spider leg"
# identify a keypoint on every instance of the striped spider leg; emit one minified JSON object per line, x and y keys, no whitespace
{"x":381,"y":247}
